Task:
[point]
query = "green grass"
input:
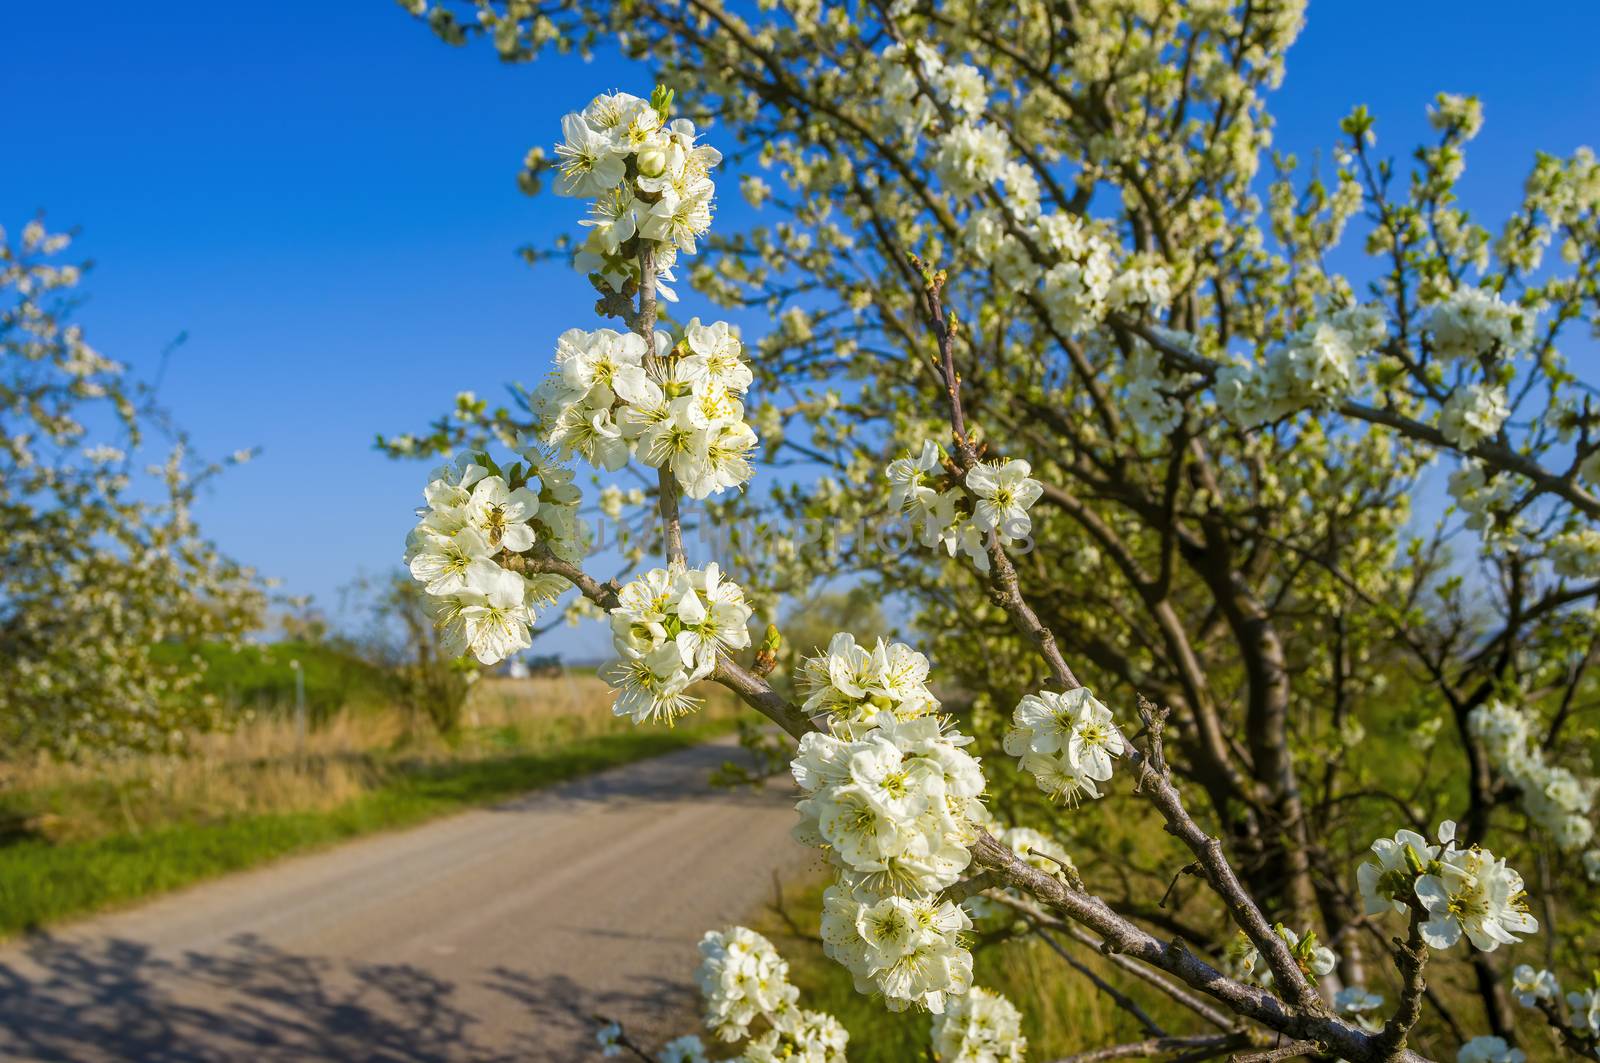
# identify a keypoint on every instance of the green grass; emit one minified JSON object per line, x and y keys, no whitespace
{"x":43,"y":883}
{"x":260,"y":677}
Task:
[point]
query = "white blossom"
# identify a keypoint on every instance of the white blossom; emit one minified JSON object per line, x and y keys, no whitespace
{"x":1004,"y":491}
{"x":501,"y":515}
{"x":980,"y":1027}
{"x":1318,"y":367}
{"x":488,"y":618}
{"x":476,"y":519}
{"x":742,"y":978}
{"x":1358,"y":1003}
{"x":1585,"y":1008}
{"x":853,"y":684}
{"x":591,"y":160}
{"x":910,"y":949}
{"x":1552,"y":796}
{"x":970,"y":157}
{"x":612,"y":398}
{"x":1473,"y":413}
{"x":1482,"y":495}
{"x":1140,"y":283}
{"x":1530,"y":986}
{"x":1489,"y":1050}
{"x":668,"y":201}
{"x":1576,"y":554}
{"x":1471,"y":323}
{"x":1470,"y":893}
{"x":685,"y":1049}
{"x":1076,"y":287}
{"x":608,"y":1037}
{"x":798,"y":1036}
{"x":992,"y":510}
{"x":1066,"y":741}
{"x":1386,"y":881}
{"x":668,"y":628}
{"x":895,"y":804}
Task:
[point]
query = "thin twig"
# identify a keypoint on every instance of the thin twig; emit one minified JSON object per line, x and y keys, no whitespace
{"x":1118,"y":997}
{"x":1209,"y":1044}
{"x":1288,"y":1051}
{"x":1139,"y":970}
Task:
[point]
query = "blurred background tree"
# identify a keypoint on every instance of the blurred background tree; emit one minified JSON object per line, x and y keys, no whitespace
{"x":106,"y":584}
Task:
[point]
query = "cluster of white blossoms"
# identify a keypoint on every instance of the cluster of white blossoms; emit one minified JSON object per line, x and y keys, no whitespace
{"x":1473,"y":413}
{"x":1530,"y":986}
{"x":1245,"y":963}
{"x":679,"y":407}
{"x":1489,"y":1049}
{"x":742,"y":978}
{"x":668,"y":628}
{"x":905,"y":110}
{"x":1575,"y":554}
{"x":895,"y":805}
{"x":894,"y":800}
{"x":1319,"y":366}
{"x":798,"y":1036}
{"x":989,"y":504}
{"x":970,"y":157}
{"x":1471,"y":323}
{"x":1065,"y":741}
{"x":981,"y":1027}
{"x":1076,"y":288}
{"x":1483,"y":497}
{"x":912,"y":950}
{"x":1071,"y":267}
{"x":648,"y":178}
{"x":853,"y":685}
{"x":1585,"y":1012}
{"x":1079,"y":280}
{"x":745,"y":984}
{"x":1464,"y":892}
{"x":477,"y":518}
{"x":1553,"y":797}
{"x":1148,"y":400}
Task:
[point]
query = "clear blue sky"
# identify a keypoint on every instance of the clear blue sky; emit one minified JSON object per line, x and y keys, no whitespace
{"x":322,"y":196}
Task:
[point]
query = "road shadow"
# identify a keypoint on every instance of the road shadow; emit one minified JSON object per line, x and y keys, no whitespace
{"x":116,"y":1000}
{"x":653,"y":1009}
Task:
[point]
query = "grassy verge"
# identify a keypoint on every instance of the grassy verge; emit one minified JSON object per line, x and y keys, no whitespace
{"x":166,"y":844}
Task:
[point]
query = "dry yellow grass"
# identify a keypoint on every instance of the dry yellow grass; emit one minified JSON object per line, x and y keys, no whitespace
{"x":496,"y":701}
{"x":265,"y":764}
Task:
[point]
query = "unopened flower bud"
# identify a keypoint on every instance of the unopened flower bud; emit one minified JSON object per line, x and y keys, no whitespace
{"x":652,"y":162}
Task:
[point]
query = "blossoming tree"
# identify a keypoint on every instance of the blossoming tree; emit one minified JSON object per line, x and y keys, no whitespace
{"x":100,"y":561}
{"x":1034,"y":302}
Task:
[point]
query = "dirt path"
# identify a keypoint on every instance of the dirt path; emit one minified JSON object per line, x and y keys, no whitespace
{"x":486,"y":936}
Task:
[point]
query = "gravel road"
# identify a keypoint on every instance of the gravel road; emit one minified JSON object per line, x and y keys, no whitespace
{"x":485,"y":936}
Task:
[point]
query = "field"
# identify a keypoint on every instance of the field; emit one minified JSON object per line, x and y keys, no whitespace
{"x":78,"y":838}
